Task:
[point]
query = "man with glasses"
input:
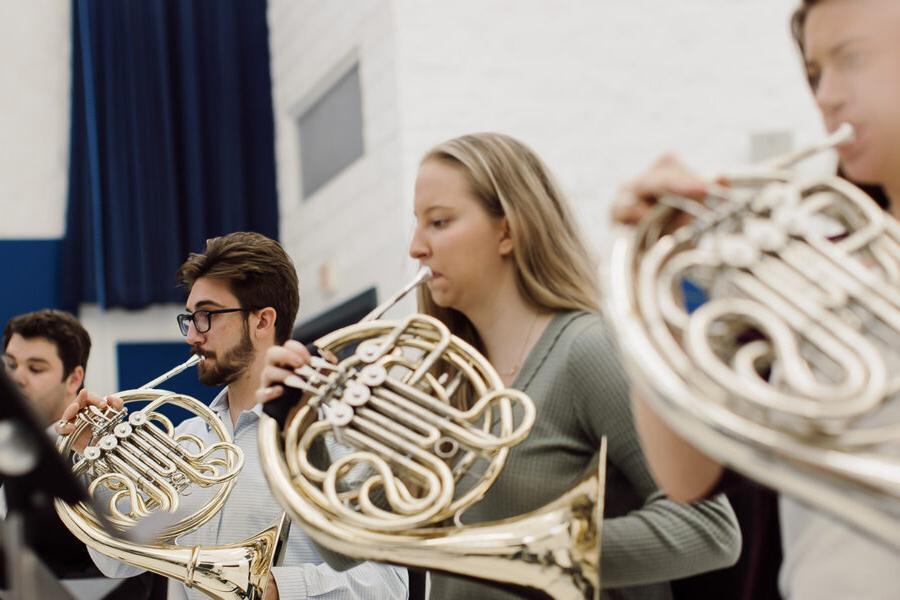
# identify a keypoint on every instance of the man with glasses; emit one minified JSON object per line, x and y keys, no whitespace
{"x":242,"y":299}
{"x":202,"y":319}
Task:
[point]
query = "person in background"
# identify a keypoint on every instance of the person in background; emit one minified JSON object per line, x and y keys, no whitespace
{"x":46,"y":355}
{"x":512,"y":277}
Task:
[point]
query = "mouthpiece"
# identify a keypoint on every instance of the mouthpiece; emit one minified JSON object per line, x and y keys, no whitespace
{"x":843,"y":134}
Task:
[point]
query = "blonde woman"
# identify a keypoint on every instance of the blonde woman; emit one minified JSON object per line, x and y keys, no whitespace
{"x":513,"y":277}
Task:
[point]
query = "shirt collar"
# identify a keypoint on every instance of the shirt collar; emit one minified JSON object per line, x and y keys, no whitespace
{"x":220,"y":403}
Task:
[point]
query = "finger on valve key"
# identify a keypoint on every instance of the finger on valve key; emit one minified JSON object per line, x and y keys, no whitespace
{"x":667,"y":177}
{"x":281,"y":382}
{"x":85,"y":399}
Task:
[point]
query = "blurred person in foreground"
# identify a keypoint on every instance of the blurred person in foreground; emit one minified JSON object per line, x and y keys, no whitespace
{"x":851,"y":51}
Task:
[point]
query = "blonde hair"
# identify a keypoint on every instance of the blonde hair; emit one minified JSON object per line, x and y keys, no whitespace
{"x":554,"y":270}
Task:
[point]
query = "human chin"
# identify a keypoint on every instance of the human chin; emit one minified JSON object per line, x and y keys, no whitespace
{"x":209,"y":373}
{"x":49,"y":404}
{"x":861,"y":169}
{"x":220,"y":374}
{"x":222,"y":371}
{"x":440,"y":299}
{"x":439,"y":292}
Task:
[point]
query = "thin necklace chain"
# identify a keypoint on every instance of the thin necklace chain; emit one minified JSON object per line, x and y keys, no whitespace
{"x":518,"y":364}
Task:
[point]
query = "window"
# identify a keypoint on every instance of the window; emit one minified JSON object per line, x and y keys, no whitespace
{"x":330,"y":132}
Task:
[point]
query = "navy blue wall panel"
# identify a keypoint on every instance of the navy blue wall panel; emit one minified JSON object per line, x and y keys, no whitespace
{"x":30,"y":282}
{"x":29,"y":271}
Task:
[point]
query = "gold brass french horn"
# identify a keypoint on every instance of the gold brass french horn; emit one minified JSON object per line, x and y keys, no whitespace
{"x":136,"y":467}
{"x":417,"y":454}
{"x":788,"y":371}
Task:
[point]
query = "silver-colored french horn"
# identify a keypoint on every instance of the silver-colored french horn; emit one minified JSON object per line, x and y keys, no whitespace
{"x":789,"y":368}
{"x":137,"y":468}
{"x":417,"y":455}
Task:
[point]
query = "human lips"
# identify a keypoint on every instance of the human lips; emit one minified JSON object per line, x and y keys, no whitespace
{"x":205,"y":354}
{"x":852,"y":145}
{"x":437,"y":283}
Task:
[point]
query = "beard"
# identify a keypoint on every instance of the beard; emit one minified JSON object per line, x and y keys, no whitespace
{"x":230,"y":365}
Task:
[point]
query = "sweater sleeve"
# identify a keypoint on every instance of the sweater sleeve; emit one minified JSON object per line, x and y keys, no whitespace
{"x":662,"y":539}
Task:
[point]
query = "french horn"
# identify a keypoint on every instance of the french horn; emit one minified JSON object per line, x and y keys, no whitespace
{"x":418,"y":454}
{"x":786,"y":368}
{"x":137,"y":468}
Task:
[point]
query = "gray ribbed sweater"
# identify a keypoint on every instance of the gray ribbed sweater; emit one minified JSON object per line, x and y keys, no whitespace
{"x":581,"y":393}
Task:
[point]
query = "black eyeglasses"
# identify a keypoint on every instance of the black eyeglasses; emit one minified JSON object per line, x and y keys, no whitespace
{"x":202,"y":319}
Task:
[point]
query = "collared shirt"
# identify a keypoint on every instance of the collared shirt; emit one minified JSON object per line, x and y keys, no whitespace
{"x":250,"y":509}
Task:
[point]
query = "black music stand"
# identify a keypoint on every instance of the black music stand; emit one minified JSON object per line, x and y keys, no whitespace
{"x":33,"y":473}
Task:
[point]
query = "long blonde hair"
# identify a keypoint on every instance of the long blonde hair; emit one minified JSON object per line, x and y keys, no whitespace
{"x":554,"y":270}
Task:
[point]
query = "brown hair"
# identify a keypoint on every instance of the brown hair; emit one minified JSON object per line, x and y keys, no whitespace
{"x":554,"y":269}
{"x":798,"y":22}
{"x":257,"y":270}
{"x":73,"y":344}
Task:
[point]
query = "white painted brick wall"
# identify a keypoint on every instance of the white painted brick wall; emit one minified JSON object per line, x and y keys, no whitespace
{"x":598,"y":88}
{"x":353,"y":226}
{"x":34,"y":117}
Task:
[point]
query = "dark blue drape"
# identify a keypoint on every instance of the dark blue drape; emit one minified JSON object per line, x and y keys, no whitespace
{"x":171,"y":142}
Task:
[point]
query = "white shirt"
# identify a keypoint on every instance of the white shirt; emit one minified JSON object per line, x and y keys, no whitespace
{"x":825,"y":559}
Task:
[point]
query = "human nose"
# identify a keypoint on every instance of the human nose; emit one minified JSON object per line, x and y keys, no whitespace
{"x":418,"y":248}
{"x":193,"y":337}
{"x":829,"y":92}
{"x":18,"y":375}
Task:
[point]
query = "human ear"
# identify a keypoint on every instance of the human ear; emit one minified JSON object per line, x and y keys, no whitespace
{"x":75,"y":379}
{"x":266,"y":320}
{"x":506,"y":242}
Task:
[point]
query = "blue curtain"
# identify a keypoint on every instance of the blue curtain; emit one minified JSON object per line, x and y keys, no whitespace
{"x":171,"y":142}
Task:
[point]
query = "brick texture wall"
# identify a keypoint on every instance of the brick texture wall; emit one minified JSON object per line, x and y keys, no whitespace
{"x":599,"y":89}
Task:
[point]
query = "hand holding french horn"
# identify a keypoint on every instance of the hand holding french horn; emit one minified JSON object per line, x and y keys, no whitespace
{"x":668,"y":176}
{"x":784,"y":366}
{"x":281,"y":362}
{"x":84,"y":401}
